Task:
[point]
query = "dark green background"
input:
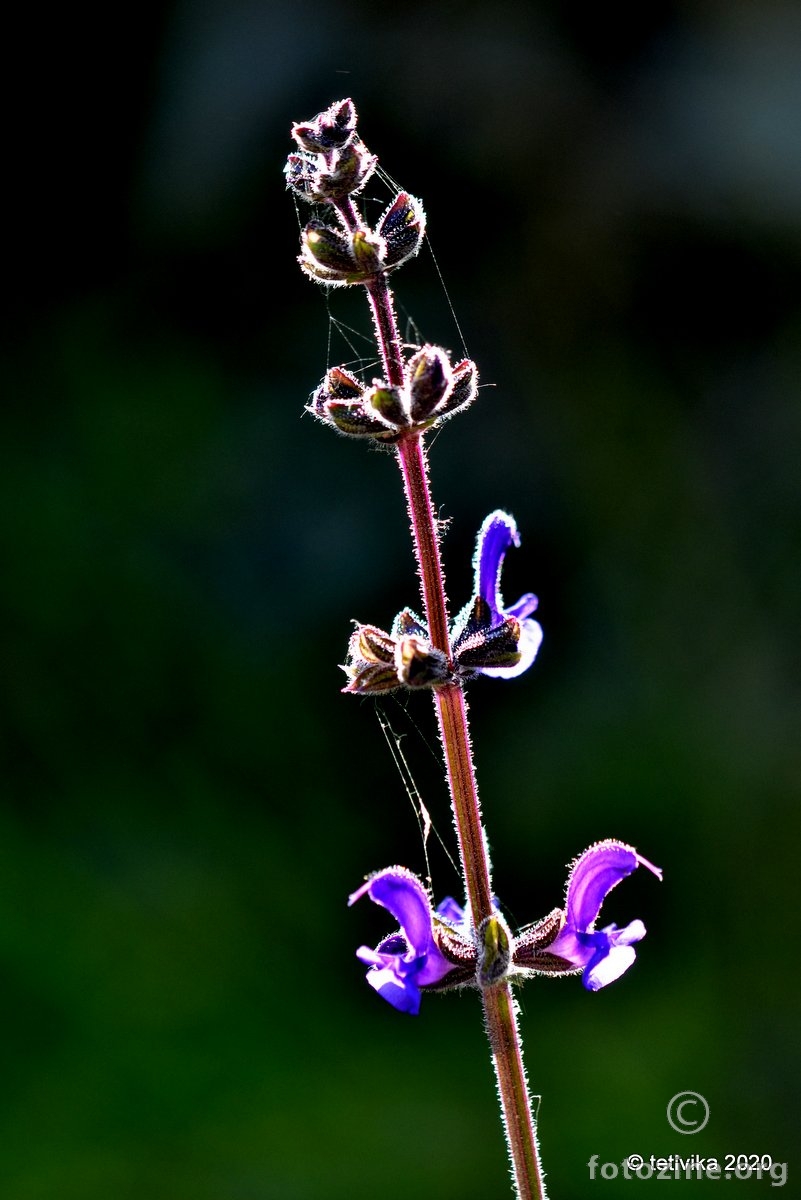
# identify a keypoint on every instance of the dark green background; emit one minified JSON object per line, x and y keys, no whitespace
{"x":615,"y":205}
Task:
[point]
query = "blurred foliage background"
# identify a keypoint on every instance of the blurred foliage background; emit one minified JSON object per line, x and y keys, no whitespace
{"x":614,"y":201}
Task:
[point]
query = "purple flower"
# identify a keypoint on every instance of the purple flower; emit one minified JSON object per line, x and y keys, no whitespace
{"x":605,"y":953}
{"x":411,"y":959}
{"x":487,"y":638}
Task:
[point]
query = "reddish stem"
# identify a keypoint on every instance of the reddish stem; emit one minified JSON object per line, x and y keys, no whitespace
{"x":499,"y":1007}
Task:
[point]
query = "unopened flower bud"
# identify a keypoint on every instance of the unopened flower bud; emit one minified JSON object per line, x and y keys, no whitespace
{"x":369,"y":251}
{"x":299,"y":171}
{"x":326,"y":254}
{"x":329,"y":130}
{"x":403,"y":227}
{"x":351,"y":419}
{"x":338,"y":402}
{"x":493,"y":951}
{"x":429,"y":375}
{"x":369,"y":679}
{"x":418,"y":663}
{"x":336,"y":257}
{"x":380,"y":661}
{"x":373,"y":644}
{"x":388,"y":402}
{"x":371,"y":662}
{"x":347,"y":173}
{"x":322,"y":179}
{"x":342,"y":401}
{"x":339,"y":384}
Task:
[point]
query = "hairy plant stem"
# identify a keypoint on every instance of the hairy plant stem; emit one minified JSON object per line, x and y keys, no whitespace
{"x":500,"y":1016}
{"x":499,"y":1006}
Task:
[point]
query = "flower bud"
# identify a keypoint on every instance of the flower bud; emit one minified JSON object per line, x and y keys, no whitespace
{"x":322,"y":179}
{"x":368,"y":679}
{"x":353,"y":420}
{"x":371,"y":661}
{"x":347,"y":173}
{"x":493,"y":950}
{"x":326,"y":253}
{"x":369,"y":251}
{"x":329,"y":130}
{"x":429,"y":375}
{"x":336,"y":257}
{"x":388,"y":402}
{"x":373,"y":644}
{"x":338,"y":385}
{"x":380,"y":661}
{"x":341,"y":401}
{"x":418,"y":663}
{"x":403,"y":227}
{"x":300,"y":170}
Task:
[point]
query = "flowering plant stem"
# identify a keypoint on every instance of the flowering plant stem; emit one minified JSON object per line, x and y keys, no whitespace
{"x":447,"y":947}
{"x":499,"y":1005}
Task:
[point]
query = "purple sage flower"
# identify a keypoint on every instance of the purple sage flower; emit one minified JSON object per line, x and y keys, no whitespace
{"x":604,"y":954}
{"x":411,"y":959}
{"x":488,"y":638}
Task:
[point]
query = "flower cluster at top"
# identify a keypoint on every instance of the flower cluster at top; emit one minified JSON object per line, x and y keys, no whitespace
{"x":435,"y":949}
{"x":332,"y":164}
{"x":486,"y":637}
{"x":329,"y":169}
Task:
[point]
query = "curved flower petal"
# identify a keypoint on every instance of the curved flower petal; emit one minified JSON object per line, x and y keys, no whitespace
{"x":604,"y":954}
{"x":593,"y":876}
{"x":403,"y":962}
{"x":405,"y":897}
{"x":497,"y":533}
